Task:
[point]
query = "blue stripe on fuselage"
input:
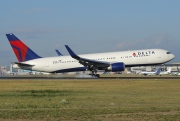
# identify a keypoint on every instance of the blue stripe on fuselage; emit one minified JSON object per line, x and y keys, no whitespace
{"x":70,"y":70}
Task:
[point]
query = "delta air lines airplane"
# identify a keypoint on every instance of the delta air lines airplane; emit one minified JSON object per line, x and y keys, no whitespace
{"x":110,"y":61}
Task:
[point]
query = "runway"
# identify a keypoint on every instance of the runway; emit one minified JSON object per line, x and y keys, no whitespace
{"x":101,"y":78}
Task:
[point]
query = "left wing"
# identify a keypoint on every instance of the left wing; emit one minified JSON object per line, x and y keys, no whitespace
{"x":88,"y":62}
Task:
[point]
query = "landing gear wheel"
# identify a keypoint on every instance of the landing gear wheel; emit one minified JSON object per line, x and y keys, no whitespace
{"x":97,"y":75}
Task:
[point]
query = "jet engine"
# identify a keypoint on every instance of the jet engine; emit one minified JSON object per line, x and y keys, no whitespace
{"x":114,"y":67}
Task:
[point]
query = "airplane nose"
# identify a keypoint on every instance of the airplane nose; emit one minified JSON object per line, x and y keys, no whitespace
{"x":172,"y":57}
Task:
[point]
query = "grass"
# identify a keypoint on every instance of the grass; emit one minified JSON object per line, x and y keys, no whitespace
{"x":95,"y":100}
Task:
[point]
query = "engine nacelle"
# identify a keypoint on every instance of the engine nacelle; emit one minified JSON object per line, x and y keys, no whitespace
{"x":114,"y":67}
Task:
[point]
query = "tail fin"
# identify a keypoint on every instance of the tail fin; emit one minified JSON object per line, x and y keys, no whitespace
{"x":22,"y":52}
{"x":158,"y":71}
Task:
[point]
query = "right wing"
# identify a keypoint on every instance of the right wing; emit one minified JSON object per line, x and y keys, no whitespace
{"x":88,"y":62}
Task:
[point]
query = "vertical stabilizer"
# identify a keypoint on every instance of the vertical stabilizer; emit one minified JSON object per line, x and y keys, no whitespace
{"x":22,"y":52}
{"x":158,"y":71}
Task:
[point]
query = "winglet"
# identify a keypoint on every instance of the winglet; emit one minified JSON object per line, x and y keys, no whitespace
{"x":73,"y":55}
{"x":58,"y":52}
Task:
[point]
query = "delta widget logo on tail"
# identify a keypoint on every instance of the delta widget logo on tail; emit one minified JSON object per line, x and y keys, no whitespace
{"x":20,"y":49}
{"x":22,"y":52}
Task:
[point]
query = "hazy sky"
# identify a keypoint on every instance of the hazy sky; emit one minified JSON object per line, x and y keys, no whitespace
{"x":90,"y":26}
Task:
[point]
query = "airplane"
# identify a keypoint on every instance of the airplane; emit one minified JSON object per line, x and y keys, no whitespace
{"x":157,"y":72}
{"x":58,"y":52}
{"x":165,"y":72}
{"x":176,"y":73}
{"x":109,"y":61}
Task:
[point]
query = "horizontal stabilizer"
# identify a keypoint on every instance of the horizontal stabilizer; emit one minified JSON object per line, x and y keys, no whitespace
{"x":23,"y":64}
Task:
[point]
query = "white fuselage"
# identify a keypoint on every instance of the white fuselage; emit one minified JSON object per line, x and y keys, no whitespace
{"x":129,"y":58}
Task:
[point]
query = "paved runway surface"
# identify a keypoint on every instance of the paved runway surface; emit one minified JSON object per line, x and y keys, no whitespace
{"x":123,"y":77}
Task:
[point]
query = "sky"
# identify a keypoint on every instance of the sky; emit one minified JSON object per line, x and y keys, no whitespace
{"x":90,"y":26}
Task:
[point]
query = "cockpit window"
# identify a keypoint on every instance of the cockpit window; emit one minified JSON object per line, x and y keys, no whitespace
{"x":168,"y":52}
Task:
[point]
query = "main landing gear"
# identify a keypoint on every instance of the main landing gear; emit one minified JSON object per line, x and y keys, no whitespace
{"x":94,"y":73}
